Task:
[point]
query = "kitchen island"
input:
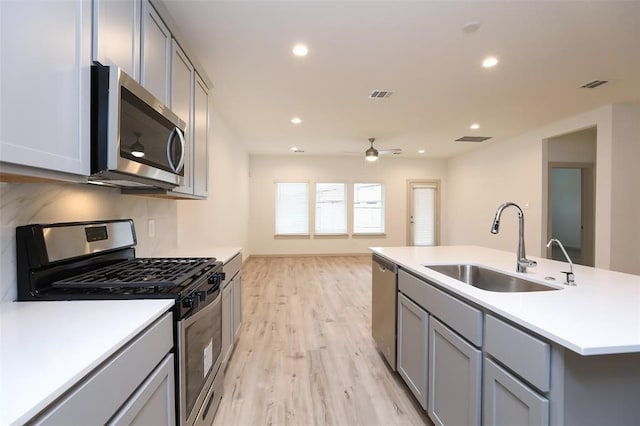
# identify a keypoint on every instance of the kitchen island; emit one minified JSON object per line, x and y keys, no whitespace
{"x":565,"y":356}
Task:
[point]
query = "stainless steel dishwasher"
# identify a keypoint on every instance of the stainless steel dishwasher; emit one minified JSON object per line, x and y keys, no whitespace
{"x":384,"y":285}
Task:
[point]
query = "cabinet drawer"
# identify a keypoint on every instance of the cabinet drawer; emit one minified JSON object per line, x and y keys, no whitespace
{"x":526,"y":355}
{"x":231,"y":268}
{"x":463,"y":318}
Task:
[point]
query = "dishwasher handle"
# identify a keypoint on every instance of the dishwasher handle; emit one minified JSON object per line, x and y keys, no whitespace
{"x":384,"y":265}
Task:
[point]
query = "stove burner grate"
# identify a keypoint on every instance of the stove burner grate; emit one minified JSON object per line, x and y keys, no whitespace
{"x":138,"y":273}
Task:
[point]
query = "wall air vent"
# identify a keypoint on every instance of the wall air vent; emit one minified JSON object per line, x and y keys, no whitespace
{"x":473,"y":138}
{"x":593,"y":84}
{"x":380,"y":94}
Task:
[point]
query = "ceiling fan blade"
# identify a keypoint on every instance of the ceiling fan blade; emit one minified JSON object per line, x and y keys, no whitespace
{"x":390,"y":151}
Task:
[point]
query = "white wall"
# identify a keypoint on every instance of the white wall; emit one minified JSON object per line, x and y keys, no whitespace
{"x":393,"y":172}
{"x":515,"y":170}
{"x":625,"y":190}
{"x":577,"y":147}
{"x":221,"y":220}
{"x":22,"y":204}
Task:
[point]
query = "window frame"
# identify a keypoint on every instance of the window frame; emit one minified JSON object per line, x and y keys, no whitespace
{"x":382,"y":231}
{"x":345,"y":190}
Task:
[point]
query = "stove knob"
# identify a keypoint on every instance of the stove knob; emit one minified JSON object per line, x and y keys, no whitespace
{"x":187,"y":302}
{"x":202,"y":295}
{"x":216,"y":278}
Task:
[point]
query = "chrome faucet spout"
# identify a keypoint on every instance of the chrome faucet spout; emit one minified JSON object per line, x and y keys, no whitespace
{"x":522,"y":261}
{"x":570,"y":276}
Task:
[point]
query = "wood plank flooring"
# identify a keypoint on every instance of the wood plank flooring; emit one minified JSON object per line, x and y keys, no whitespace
{"x":305,"y":355}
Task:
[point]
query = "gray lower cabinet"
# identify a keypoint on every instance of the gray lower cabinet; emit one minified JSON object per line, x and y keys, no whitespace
{"x":231,"y":306}
{"x":135,"y":385}
{"x":237,"y":305}
{"x":413,"y":333}
{"x":227,"y":323}
{"x":154,"y":402}
{"x":455,"y":368}
{"x":508,"y":401}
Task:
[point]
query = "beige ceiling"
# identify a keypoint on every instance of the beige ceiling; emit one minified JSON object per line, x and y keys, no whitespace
{"x":547,"y":50}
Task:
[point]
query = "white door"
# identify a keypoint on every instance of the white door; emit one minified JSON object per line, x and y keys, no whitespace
{"x":423,"y":222}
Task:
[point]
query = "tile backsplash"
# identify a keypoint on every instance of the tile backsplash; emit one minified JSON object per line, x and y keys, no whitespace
{"x":28,"y":203}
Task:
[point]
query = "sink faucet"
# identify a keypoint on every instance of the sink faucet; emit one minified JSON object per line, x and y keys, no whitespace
{"x":522,"y":261}
{"x":570,"y":276}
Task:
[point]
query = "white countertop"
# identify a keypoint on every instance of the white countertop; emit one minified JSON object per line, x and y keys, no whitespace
{"x":600,"y":315}
{"x":47,"y":347}
{"x":223,"y":254}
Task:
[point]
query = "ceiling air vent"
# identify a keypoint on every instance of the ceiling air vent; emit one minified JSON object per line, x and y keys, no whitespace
{"x":380,"y":94}
{"x":593,"y":84}
{"x":473,"y":138}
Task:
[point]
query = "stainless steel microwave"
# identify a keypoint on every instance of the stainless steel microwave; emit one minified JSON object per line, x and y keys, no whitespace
{"x":136,"y":141}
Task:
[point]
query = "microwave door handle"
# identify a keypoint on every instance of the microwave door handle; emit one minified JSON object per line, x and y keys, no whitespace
{"x":175,"y":168}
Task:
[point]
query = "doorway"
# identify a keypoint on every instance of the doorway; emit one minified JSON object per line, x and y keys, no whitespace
{"x":423,"y":207}
{"x":571,"y":211}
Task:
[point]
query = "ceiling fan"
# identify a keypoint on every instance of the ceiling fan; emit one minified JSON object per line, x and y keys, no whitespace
{"x":371,"y":154}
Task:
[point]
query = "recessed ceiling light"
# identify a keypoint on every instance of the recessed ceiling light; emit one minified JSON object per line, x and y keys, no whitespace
{"x":490,"y":61}
{"x":296,"y":120}
{"x":474,"y":126}
{"x":300,"y":50}
{"x":421,"y":151}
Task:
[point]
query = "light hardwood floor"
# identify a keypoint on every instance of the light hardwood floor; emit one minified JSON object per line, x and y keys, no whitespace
{"x":305,"y":355}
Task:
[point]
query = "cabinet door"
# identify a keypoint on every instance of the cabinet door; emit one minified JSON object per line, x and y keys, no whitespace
{"x":200,"y":136}
{"x":45,"y":58}
{"x":182,"y":104}
{"x":116,"y":34}
{"x":508,"y":401}
{"x":227,"y":323}
{"x":454,"y":377}
{"x":413,"y":332}
{"x":154,"y":402}
{"x":237,"y":305}
{"x":156,"y":54}
{"x":102,"y":393}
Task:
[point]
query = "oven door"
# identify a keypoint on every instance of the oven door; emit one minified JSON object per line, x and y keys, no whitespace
{"x":200,"y":347}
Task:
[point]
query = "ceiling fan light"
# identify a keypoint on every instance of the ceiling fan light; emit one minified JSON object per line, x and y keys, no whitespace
{"x":371,"y":154}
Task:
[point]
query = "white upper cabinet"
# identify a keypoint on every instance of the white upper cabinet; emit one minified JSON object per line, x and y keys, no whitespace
{"x":116,"y":35}
{"x":182,"y":77}
{"x":45,"y":58}
{"x":156,"y":54}
{"x":200,"y":142}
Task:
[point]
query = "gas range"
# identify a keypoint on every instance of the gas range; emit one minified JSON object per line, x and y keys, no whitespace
{"x":96,"y":260}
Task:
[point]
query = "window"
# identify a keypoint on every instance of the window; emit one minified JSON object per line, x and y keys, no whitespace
{"x":331,"y":208}
{"x":368,"y":208}
{"x":292,"y":208}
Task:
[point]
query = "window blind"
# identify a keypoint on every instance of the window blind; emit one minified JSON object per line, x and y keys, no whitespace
{"x":331,"y":208}
{"x":292,"y":208}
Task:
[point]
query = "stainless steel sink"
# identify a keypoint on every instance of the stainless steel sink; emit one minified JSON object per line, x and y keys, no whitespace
{"x":487,"y":279}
